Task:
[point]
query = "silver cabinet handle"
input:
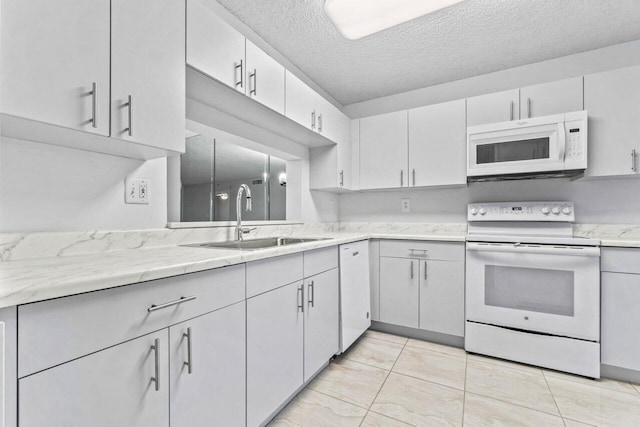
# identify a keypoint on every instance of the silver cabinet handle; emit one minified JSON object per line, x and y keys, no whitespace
{"x":129,"y":104}
{"x":170,"y":304}
{"x":320,"y":122}
{"x":241,"y":82}
{"x":411,"y":268}
{"x":156,"y":348}
{"x":425,"y":270}
{"x":511,"y":110}
{"x":313,"y":120}
{"x":424,"y":251}
{"x":401,"y":178}
{"x":94,"y":102}
{"x":413,"y":172}
{"x":189,"y":362}
{"x":301,"y":296}
{"x":342,"y":178}
{"x":312,"y":293}
{"x":528,"y":108}
{"x":633,"y":160}
{"x":254,"y":91}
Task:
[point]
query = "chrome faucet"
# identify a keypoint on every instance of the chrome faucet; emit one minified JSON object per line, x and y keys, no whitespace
{"x":239,"y":230}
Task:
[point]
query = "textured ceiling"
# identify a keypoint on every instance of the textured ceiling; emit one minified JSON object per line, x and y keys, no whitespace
{"x":471,"y":38}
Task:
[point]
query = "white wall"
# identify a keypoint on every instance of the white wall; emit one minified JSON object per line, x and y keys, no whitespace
{"x":607,"y":201}
{"x":46,"y":188}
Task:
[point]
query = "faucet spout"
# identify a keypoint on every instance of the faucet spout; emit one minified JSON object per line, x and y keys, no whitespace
{"x":243,"y":188}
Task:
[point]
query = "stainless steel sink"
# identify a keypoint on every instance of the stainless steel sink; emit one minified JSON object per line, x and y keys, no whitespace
{"x":253,"y":244}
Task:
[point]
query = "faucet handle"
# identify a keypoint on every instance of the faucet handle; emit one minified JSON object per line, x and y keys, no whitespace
{"x":248,"y":230}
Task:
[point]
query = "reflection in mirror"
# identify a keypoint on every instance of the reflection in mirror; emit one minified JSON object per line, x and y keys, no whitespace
{"x":212,"y":171}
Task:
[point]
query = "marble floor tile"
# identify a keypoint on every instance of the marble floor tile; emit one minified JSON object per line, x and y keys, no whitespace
{"x":572,"y":423}
{"x":311,"y":408}
{"x":419,"y":402}
{"x":374,"y":352}
{"x":377,"y":420}
{"x":503,"y":363}
{"x":386,"y":337}
{"x":513,"y":385}
{"x":480,"y":411}
{"x":441,"y":368}
{"x":637,"y":387}
{"x":350,"y":381}
{"x":595,"y":405}
{"x":426,"y":345}
{"x":621,"y":386}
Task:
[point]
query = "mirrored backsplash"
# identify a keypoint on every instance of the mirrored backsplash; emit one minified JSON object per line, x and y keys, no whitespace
{"x":212,"y":171}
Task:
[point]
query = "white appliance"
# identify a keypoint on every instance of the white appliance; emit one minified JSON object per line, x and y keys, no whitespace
{"x":532,"y":289}
{"x":355,"y":299}
{"x":549,"y":146}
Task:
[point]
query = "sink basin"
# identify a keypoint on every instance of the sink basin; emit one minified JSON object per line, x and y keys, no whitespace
{"x":253,"y":244}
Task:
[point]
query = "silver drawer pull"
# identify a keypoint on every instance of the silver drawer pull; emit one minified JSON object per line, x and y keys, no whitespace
{"x":170,"y":304}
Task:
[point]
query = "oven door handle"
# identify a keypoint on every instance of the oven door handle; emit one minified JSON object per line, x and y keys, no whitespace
{"x":584,"y":251}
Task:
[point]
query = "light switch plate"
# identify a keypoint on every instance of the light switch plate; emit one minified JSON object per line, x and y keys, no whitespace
{"x":405,"y":205}
{"x":136,"y":190}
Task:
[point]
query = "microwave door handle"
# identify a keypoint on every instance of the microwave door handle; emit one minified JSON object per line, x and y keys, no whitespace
{"x":562,"y":141}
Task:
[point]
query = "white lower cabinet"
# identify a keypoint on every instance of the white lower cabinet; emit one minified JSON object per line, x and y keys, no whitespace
{"x":321,"y":321}
{"x":207,"y":369}
{"x":442,"y":297}
{"x":399,"y":291}
{"x":275,"y":334}
{"x":125,"y":385}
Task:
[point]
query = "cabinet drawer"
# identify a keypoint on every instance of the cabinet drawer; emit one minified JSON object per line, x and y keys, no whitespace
{"x":320,"y":260}
{"x":271,"y":273}
{"x":55,"y":331}
{"x":444,"y":251}
{"x":620,"y":260}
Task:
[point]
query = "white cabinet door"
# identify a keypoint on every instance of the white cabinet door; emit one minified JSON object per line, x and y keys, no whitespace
{"x":52,"y":53}
{"x":214,"y":47}
{"x":493,"y":107}
{"x":437,"y":144}
{"x":112,"y":387}
{"x":620,"y":318}
{"x":265,"y":78}
{"x":207,"y":369}
{"x":612,"y":100}
{"x":321,"y":321}
{"x":374,"y":277}
{"x":558,"y":97}
{"x":300,"y":101}
{"x":384,"y":151}
{"x":442,"y":297}
{"x":148,"y":72}
{"x":275,"y":335}
{"x":399,"y":290}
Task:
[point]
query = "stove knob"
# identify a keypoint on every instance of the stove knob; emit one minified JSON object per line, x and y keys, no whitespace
{"x":545,"y":210}
{"x":474,"y":211}
{"x":566,"y":210}
{"x":555,"y":210}
{"x":483,"y":211}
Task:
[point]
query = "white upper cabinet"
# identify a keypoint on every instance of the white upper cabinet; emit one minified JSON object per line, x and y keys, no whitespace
{"x":384,"y":151}
{"x":557,"y":97}
{"x":493,"y":107}
{"x":147,"y":72}
{"x":214,"y":47}
{"x":612,"y":99}
{"x":300,"y":102}
{"x":437,"y":144}
{"x":264,"y":78}
{"x":53,"y":54}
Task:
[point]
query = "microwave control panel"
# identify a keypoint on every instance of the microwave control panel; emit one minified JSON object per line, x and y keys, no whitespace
{"x":521,"y":211}
{"x":576,"y":144}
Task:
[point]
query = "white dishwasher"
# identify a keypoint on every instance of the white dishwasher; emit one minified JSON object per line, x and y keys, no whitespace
{"x":355,"y":299}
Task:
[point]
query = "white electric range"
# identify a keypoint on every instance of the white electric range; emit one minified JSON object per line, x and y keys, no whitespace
{"x":532,"y":288}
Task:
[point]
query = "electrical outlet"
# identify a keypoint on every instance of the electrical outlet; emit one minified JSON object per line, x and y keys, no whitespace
{"x":332,"y":206}
{"x":405,"y":205}
{"x":136,"y":190}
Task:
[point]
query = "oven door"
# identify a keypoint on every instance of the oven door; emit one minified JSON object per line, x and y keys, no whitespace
{"x":542,"y":288}
{"x":527,"y":149}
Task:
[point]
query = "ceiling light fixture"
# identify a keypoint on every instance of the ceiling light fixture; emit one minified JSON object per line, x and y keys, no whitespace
{"x":358,"y":18}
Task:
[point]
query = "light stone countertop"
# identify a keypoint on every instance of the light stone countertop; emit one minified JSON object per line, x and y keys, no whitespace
{"x":36,"y":279}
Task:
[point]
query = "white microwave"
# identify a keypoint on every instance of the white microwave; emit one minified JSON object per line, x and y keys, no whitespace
{"x":549,"y":146}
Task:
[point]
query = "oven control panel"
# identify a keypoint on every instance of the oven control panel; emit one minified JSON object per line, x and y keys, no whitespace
{"x":521,"y":211}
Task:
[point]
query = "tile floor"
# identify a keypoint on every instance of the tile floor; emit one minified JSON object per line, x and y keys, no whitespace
{"x":387,"y":380}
